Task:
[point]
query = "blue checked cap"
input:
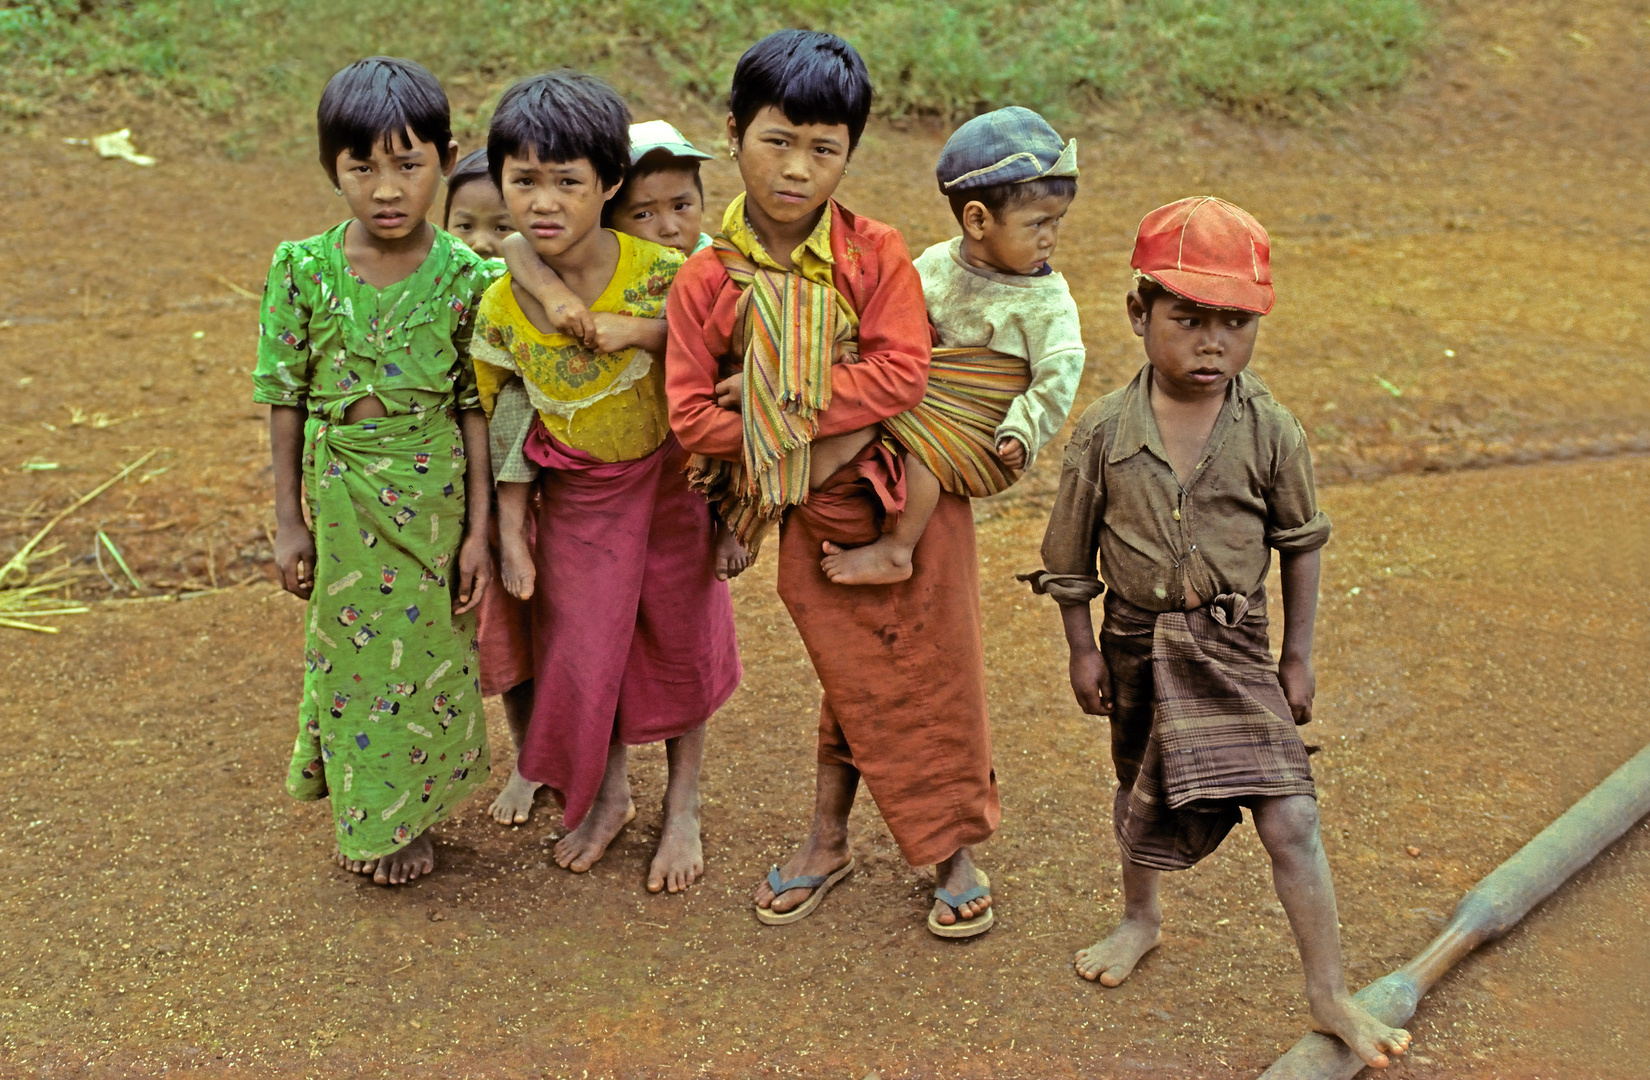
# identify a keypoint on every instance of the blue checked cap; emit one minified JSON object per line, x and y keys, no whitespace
{"x":1009,"y":146}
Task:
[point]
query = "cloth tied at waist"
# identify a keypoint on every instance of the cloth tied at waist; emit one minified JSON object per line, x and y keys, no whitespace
{"x":1221,"y":731}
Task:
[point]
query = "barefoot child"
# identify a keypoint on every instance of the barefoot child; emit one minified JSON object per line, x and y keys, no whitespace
{"x":363,"y":358}
{"x":475,"y":211}
{"x":1183,"y":483}
{"x":910,"y":717}
{"x":626,"y":636}
{"x":662,"y":199}
{"x":1011,"y":349}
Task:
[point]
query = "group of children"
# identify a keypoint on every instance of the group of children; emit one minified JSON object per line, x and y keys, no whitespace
{"x":643,"y":402}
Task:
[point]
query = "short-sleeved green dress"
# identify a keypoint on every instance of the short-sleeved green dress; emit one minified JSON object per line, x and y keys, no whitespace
{"x":390,"y":725}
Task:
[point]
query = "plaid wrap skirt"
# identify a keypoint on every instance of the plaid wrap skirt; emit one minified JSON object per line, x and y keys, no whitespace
{"x":1199,"y":726}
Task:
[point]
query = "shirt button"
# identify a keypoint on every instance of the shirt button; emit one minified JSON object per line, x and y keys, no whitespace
{"x":1177,"y":513}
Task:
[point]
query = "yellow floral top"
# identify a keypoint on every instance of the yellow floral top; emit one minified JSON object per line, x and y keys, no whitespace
{"x":812,"y":259}
{"x":610,"y":405}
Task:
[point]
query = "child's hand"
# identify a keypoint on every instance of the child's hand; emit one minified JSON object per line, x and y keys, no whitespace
{"x":1091,"y":681}
{"x":615,"y":332}
{"x":1300,"y":685}
{"x":574,"y":319}
{"x":1013,"y":453}
{"x":295,"y":560}
{"x":475,"y":571}
{"x":730,"y":392}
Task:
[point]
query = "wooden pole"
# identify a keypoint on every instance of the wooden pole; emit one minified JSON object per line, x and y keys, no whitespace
{"x":1493,"y":907}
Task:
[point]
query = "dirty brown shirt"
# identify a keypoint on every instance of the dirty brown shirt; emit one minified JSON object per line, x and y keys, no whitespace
{"x":1120,"y":501}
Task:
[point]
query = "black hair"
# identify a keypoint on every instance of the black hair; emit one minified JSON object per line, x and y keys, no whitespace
{"x":810,"y":76}
{"x":655,"y":162}
{"x":376,"y":100}
{"x":1000,"y":197}
{"x":471,"y":168}
{"x":562,"y":116}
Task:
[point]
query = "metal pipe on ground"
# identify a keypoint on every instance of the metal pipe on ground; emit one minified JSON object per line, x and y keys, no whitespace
{"x":1494,"y":906}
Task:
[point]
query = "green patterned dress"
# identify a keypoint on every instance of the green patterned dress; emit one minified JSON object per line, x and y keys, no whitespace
{"x":390,"y":725}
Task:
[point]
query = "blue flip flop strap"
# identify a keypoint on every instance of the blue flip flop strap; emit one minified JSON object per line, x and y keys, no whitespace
{"x":807,"y":881}
{"x":960,"y":899}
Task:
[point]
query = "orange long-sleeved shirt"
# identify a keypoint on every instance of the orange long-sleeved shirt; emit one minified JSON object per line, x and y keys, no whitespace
{"x":872,"y":270}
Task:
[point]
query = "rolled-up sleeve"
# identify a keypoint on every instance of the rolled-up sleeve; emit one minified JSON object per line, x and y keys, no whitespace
{"x":1071,"y":543}
{"x":1294,"y":524}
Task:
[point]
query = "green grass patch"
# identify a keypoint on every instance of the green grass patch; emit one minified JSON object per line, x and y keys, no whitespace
{"x":259,"y":64}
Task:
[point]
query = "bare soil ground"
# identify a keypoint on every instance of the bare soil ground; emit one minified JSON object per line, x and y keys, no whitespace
{"x":1481,"y":659}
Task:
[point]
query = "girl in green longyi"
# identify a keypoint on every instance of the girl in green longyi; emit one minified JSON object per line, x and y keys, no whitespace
{"x":375,"y":425}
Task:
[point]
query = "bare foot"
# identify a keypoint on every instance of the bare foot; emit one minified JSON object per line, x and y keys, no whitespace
{"x":881,"y":563}
{"x":514,"y":804}
{"x":1350,"y":1022}
{"x":400,"y":867}
{"x":516,"y":564}
{"x":816,"y":857}
{"x":956,"y":876}
{"x":731,"y":556}
{"x":680,"y":858}
{"x":584,"y":847}
{"x":355,"y":866}
{"x":1110,"y":961}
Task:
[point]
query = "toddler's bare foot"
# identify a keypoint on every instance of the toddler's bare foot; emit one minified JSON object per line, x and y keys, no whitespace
{"x":355,"y":866}
{"x":514,"y":804}
{"x":732,"y":558}
{"x":516,"y":564}
{"x":1350,"y":1022}
{"x":680,"y":858}
{"x":881,"y":563}
{"x":1112,"y":960}
{"x":400,"y":867}
{"x":584,"y":847}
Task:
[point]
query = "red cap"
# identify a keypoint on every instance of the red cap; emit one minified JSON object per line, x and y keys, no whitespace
{"x":1208,"y":251}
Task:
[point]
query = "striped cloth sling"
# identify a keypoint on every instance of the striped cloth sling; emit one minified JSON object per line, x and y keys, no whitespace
{"x":953,"y":430}
{"x":789,"y":331}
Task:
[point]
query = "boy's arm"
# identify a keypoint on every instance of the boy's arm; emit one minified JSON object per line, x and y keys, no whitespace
{"x":294,"y":544}
{"x":1070,"y":560}
{"x":1054,"y":344}
{"x":475,"y":557}
{"x":691,"y":366}
{"x":567,"y":314}
{"x":1300,"y":612}
{"x":1297,"y":530}
{"x":892,"y":373}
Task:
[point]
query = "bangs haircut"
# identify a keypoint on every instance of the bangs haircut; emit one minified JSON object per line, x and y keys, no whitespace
{"x":471,"y":168}
{"x":1000,"y":197}
{"x":810,"y":76}
{"x":561,"y":116}
{"x":377,"y":101}
{"x":656,"y":162}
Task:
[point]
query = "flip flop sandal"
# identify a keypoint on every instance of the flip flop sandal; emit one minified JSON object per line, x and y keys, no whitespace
{"x":964,"y":928}
{"x":819,"y":883}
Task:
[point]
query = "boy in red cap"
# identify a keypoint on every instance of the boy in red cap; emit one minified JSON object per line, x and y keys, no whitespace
{"x":1181,"y":484}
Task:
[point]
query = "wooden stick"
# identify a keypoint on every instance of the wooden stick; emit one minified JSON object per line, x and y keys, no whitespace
{"x":1493,"y":907}
{"x":18,"y":565}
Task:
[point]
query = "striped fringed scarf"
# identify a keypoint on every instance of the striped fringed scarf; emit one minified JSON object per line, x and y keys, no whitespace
{"x":953,"y":430}
{"x":789,"y":330}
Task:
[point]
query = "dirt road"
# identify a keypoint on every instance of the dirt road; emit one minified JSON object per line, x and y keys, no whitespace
{"x":1460,"y":279}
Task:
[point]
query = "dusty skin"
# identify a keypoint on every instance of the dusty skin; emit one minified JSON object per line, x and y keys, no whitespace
{"x":1480,"y":647}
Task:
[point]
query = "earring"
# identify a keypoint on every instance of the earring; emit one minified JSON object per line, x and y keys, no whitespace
{"x":337,"y":191}
{"x":733,"y":153}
